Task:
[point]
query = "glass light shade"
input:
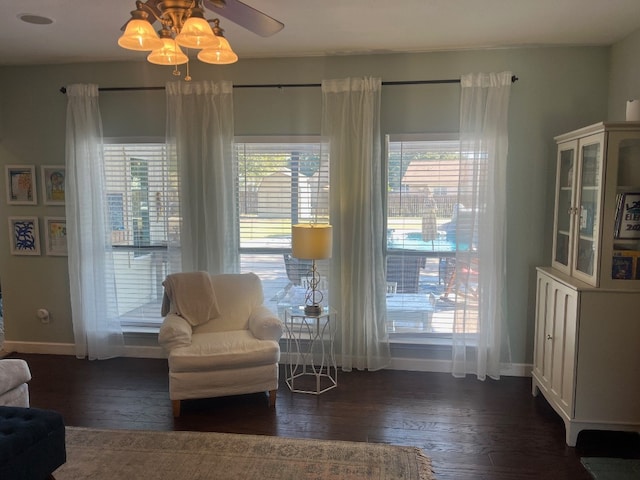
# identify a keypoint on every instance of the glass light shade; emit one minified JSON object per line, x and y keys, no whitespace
{"x":222,"y":55}
{"x":169,"y":54}
{"x":139,"y":35}
{"x":196,"y":33}
{"x":311,"y":241}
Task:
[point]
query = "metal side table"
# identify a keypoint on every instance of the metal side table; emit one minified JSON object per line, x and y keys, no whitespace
{"x":311,"y":367}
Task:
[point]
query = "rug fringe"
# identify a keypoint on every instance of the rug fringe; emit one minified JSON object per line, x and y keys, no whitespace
{"x":425,"y":468}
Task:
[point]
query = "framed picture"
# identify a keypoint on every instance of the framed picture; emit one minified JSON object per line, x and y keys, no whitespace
{"x":53,"y":184}
{"x":21,"y":185}
{"x":24,"y":236}
{"x":55,"y":229}
{"x":628,"y":216}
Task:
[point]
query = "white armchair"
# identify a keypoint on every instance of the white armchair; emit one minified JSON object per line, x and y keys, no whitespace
{"x":220,"y":338}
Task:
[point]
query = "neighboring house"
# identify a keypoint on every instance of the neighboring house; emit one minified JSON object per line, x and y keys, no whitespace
{"x":426,"y":184}
{"x":439,"y":177}
{"x":277,"y":186}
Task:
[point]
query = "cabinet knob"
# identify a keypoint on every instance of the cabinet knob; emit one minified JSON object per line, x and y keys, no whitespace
{"x":549,"y":337}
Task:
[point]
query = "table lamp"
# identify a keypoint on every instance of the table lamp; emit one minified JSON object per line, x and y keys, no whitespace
{"x":312,"y":241}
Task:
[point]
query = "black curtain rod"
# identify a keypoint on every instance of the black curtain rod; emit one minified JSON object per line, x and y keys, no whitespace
{"x":288,"y":85}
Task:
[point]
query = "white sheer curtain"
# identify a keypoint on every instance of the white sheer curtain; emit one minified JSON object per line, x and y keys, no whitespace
{"x":96,"y":326}
{"x":200,"y":132}
{"x":351,"y":125}
{"x":479,"y":333}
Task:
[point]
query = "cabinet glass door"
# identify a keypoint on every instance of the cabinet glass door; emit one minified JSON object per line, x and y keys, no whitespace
{"x":588,"y":202}
{"x":626,"y":229}
{"x":565,"y":181}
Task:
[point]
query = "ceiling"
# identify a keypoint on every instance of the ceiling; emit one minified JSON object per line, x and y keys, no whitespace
{"x":87,"y":30}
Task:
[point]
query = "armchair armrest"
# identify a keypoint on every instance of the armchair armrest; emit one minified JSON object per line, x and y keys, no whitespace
{"x":174,"y":332}
{"x":13,"y":372}
{"x":264,"y":324}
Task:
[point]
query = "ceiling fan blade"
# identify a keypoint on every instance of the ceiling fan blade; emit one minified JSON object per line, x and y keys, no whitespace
{"x":153,"y":5}
{"x":245,"y":16}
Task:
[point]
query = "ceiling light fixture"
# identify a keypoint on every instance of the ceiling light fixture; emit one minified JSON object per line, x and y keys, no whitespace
{"x":183,"y":25}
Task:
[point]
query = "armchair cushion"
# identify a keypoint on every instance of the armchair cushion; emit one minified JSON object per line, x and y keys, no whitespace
{"x":238,"y":295}
{"x":190,"y":295}
{"x":226,"y":350}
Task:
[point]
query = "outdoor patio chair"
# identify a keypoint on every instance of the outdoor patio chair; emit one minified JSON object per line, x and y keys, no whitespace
{"x":404,"y":271}
{"x":296,"y":268}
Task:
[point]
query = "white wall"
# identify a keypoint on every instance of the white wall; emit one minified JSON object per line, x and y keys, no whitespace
{"x":624,"y":81}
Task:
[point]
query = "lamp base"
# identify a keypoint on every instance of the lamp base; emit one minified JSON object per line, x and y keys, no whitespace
{"x":312,"y":310}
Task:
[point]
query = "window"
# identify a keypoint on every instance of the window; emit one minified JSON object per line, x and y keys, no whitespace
{"x":143,"y":201}
{"x":280,"y":183}
{"x":423,"y":209}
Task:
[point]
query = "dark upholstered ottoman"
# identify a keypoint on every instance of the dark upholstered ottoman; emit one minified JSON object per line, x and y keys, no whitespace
{"x":32,"y":443}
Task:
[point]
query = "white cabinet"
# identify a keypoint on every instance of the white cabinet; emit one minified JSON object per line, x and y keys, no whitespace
{"x":587,"y":341}
{"x":595,"y":166}
{"x":554,"y":363}
{"x":587,"y":353}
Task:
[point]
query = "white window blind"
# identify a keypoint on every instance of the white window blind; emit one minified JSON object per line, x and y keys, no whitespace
{"x":142,"y":188}
{"x":280,"y":182}
{"x":422,"y":200}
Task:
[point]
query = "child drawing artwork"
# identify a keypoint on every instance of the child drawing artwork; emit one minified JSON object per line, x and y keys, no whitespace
{"x":24,"y":234}
{"x":53,"y":184}
{"x":56,"y":179}
{"x":21,"y":186}
{"x":56,"y":236}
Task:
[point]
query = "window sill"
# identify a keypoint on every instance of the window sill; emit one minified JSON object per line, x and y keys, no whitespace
{"x":414,"y":339}
{"x":137,"y":329}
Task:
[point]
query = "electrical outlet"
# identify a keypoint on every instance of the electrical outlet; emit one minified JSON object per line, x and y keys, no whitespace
{"x":43,"y":315}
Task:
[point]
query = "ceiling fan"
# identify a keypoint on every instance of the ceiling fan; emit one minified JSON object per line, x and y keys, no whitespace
{"x":234,"y":10}
{"x":183,"y":24}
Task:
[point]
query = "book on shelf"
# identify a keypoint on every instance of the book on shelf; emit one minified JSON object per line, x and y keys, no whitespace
{"x":618,"y":219}
{"x":627,"y":219}
{"x":625,"y":265}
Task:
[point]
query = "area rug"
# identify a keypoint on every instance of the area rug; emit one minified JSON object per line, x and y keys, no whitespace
{"x":602,"y":468}
{"x":147,"y":455}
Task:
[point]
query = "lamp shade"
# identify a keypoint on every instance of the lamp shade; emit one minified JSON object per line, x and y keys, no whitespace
{"x":196,"y":33}
{"x":220,"y":55}
{"x":169,"y":54}
{"x":139,"y":35}
{"x":312,"y":241}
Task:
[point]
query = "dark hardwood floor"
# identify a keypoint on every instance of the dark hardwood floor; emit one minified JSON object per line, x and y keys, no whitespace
{"x":471,"y":430}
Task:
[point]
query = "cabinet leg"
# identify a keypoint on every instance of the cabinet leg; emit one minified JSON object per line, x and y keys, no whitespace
{"x":572,"y":434}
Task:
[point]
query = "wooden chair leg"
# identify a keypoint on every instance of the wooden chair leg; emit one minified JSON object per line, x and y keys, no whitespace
{"x":176,"y":408}
{"x":272,"y":398}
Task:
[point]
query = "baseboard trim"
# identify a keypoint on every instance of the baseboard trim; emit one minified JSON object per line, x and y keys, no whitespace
{"x":140,"y":351}
{"x":135,"y":351}
{"x":446,"y":366}
{"x":436,"y":366}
